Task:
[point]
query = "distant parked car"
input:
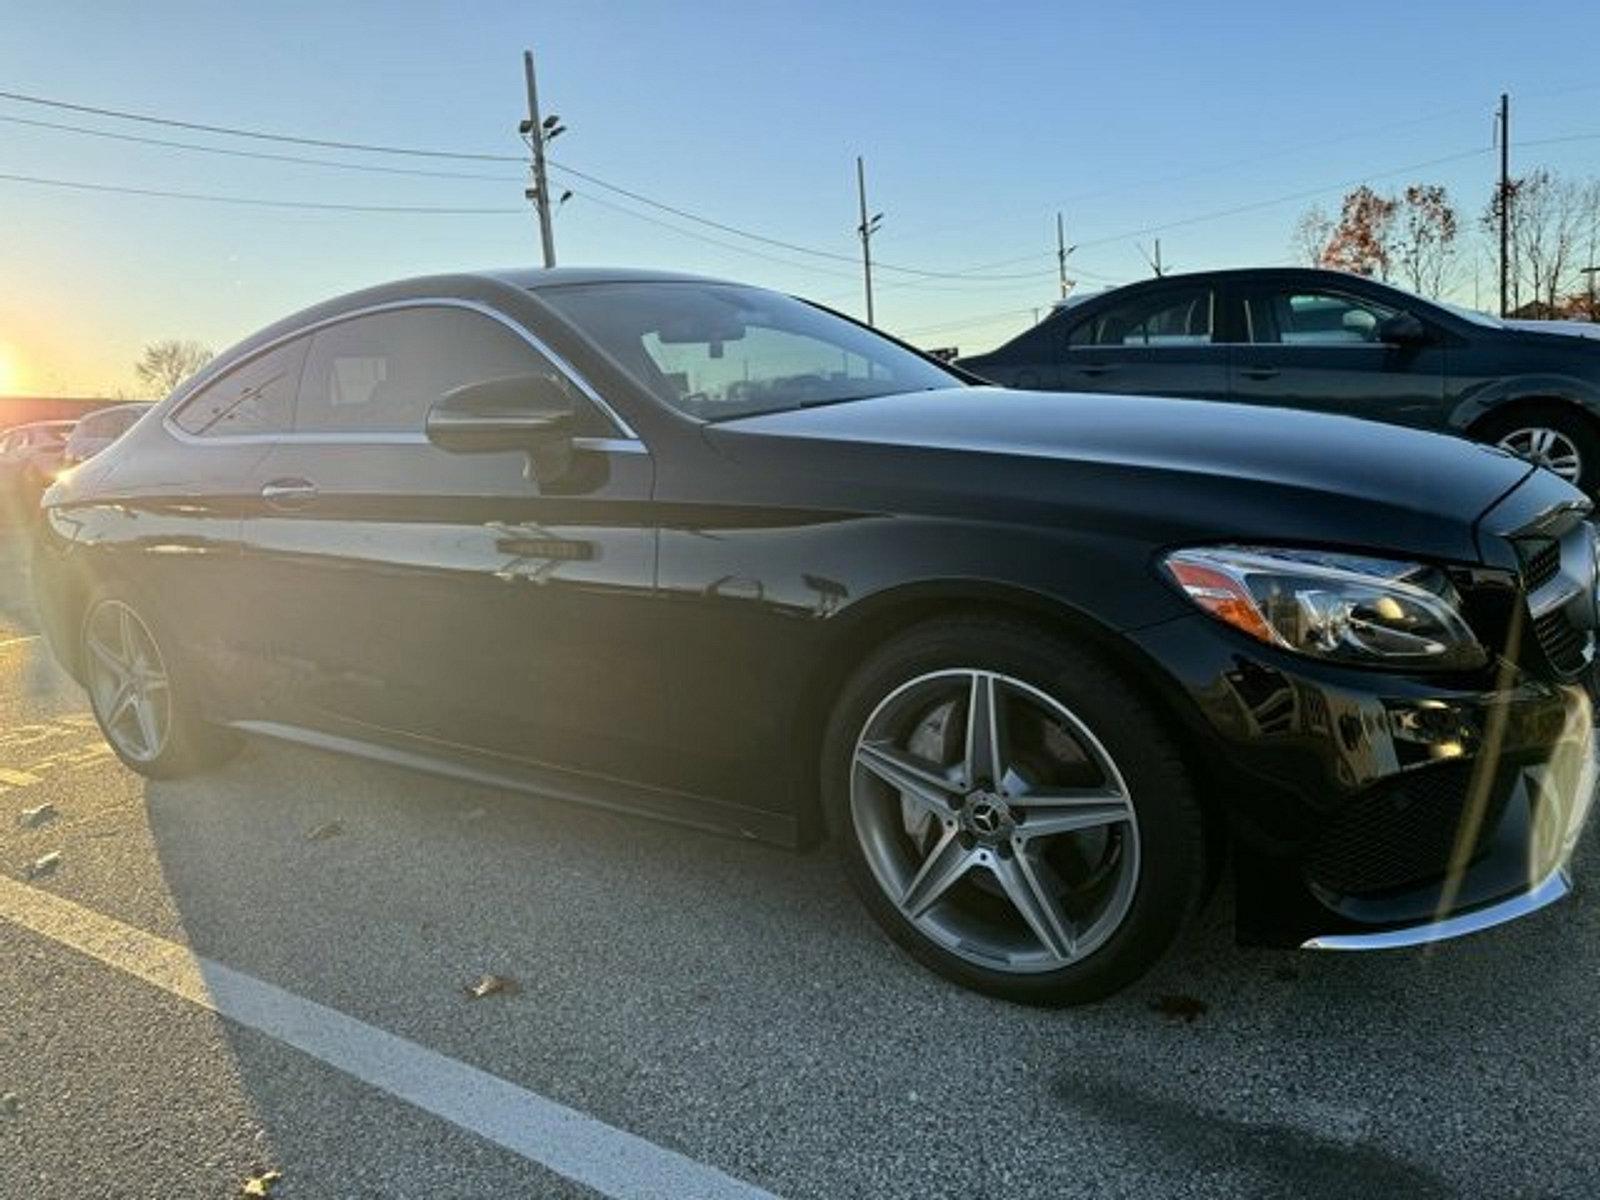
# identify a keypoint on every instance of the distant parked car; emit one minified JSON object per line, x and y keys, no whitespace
{"x":30,"y":456}
{"x":94,"y":432}
{"x":1329,"y":341}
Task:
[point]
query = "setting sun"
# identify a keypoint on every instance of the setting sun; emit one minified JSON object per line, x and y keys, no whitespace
{"x":9,"y":374}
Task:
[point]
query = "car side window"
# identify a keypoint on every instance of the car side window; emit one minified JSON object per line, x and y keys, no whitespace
{"x":1175,"y":317}
{"x":1312,"y":318}
{"x":381,"y":373}
{"x":255,"y":398}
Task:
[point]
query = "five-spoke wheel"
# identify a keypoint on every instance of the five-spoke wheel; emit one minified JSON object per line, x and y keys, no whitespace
{"x":975,"y":792}
{"x":1012,"y":813}
{"x":139,"y":694}
{"x":127,"y":680}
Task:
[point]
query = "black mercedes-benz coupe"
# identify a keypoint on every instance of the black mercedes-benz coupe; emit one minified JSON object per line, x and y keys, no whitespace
{"x":706,"y":552}
{"x":1331,"y":342}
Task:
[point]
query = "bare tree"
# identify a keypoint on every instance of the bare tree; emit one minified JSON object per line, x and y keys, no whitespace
{"x":1311,"y":235}
{"x":1424,"y":245}
{"x":166,"y":364}
{"x":1550,"y":218}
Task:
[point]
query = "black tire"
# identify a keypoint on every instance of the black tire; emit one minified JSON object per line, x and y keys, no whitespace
{"x":1571,"y":423}
{"x":1171,"y":862}
{"x":190,"y":743}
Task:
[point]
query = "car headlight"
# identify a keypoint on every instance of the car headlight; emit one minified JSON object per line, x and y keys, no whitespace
{"x":1344,"y":607}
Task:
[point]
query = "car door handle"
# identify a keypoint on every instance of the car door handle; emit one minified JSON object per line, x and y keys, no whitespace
{"x":1260,"y":372}
{"x":1093,"y":371}
{"x":288,"y":493}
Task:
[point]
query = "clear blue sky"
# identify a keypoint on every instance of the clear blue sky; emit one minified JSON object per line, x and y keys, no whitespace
{"x":975,"y":130}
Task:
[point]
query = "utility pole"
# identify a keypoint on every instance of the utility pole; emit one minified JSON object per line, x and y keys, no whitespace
{"x":539,"y":193}
{"x":1505,"y":204}
{"x":1061,"y":254}
{"x":866,"y":229}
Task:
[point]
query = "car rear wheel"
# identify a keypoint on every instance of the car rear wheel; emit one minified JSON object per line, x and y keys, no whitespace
{"x":1556,"y":438}
{"x":1012,"y":813}
{"x":140,"y":696}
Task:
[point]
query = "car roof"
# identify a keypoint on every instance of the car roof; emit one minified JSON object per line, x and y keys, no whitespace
{"x":535,"y":278}
{"x":1330,"y":274}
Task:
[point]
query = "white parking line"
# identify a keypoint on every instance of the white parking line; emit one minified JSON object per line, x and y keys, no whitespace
{"x":611,"y":1161}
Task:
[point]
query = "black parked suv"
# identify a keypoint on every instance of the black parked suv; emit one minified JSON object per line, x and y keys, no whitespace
{"x":1330,"y":341}
{"x":711,"y":553}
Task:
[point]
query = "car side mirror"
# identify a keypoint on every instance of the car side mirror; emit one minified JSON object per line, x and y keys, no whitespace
{"x":522,"y":412}
{"x":1402,"y":329}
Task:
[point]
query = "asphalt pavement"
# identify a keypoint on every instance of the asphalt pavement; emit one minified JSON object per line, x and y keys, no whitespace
{"x":264,"y":969}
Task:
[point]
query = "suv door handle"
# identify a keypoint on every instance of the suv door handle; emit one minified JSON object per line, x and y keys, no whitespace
{"x":1259,"y":372}
{"x":288,"y":493}
{"x":1093,"y":371}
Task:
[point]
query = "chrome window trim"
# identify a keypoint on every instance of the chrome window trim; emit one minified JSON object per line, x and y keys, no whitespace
{"x":378,"y":437}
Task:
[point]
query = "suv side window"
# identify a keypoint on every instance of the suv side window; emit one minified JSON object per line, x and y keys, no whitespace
{"x":1311,"y":318}
{"x":257,"y":397}
{"x":1170,"y":317}
{"x":381,"y":373}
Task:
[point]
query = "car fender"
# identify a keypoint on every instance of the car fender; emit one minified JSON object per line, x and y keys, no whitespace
{"x":1495,"y":394}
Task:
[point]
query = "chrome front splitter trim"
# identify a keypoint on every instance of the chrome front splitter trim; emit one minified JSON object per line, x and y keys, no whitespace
{"x":1555,"y":886}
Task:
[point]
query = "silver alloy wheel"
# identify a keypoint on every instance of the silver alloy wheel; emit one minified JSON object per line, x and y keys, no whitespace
{"x":994,"y":820}
{"x":128,"y":683}
{"x":1548,"y":447}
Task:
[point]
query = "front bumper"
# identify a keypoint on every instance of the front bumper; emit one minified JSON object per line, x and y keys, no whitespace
{"x":1369,"y":809}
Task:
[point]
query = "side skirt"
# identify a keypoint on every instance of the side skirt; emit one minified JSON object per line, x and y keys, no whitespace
{"x":619,"y":796}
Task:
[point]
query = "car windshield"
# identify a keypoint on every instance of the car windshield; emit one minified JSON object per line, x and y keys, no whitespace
{"x":1471,"y":314}
{"x":718,"y":351}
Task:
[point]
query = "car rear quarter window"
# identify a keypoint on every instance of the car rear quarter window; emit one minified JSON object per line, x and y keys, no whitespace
{"x":1173,"y":317}
{"x":382,"y":372}
{"x":255,"y":398}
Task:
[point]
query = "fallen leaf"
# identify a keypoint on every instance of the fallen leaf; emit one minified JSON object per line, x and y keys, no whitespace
{"x":489,"y":985}
{"x":262,"y":1185}
{"x":44,"y":866}
{"x":10,"y":1102}
{"x":32,"y":818}
{"x":325,"y":831}
{"x":1185,"y":1008}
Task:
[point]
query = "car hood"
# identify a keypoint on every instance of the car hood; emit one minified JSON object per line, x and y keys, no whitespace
{"x":1204,"y":467}
{"x":1582,"y":329}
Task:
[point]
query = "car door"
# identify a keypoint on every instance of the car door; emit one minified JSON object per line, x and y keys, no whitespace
{"x":421,"y":594}
{"x":1317,"y":347}
{"x":1161,"y":341}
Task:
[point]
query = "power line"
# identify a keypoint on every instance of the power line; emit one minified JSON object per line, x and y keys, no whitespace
{"x":755,"y":237}
{"x":589,"y":198}
{"x":259,"y":135}
{"x":77,"y":185}
{"x":258,"y":154}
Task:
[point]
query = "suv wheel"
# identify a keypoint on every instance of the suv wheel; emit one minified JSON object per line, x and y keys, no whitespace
{"x":1011,"y":813}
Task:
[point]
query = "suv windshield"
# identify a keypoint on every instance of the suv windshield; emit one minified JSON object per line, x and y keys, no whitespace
{"x":718,"y":351}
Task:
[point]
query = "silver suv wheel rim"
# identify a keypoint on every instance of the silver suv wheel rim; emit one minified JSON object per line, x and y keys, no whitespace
{"x":128,"y":684}
{"x":1548,"y":447}
{"x":994,"y":820}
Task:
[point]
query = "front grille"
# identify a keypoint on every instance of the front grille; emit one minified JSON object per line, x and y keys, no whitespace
{"x":1558,"y":583}
{"x":1541,"y":566}
{"x":1401,"y":835}
{"x":1565,"y":647}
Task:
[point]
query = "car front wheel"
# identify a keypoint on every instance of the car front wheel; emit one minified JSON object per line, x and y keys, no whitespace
{"x":1011,"y":812}
{"x":1556,"y":438}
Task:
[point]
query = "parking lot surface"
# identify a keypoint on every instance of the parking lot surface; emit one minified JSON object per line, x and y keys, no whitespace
{"x":264,"y":969}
